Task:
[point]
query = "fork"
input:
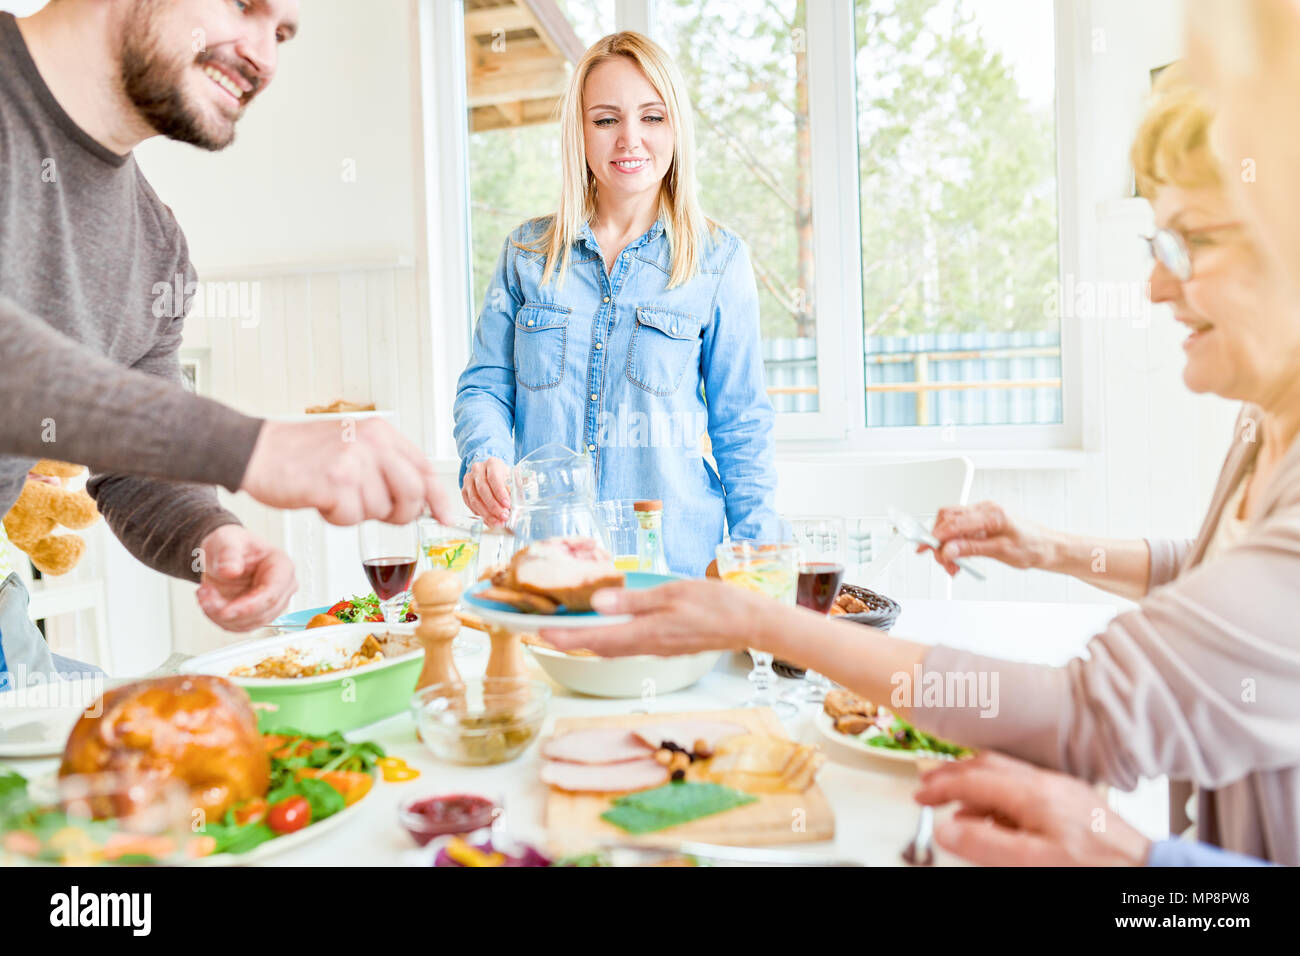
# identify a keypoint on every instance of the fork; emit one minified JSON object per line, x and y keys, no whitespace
{"x":919,"y":852}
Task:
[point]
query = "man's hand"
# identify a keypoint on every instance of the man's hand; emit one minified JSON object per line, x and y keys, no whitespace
{"x":349,"y":471}
{"x":246,"y":583}
{"x":1012,"y":813}
{"x":485,"y":493}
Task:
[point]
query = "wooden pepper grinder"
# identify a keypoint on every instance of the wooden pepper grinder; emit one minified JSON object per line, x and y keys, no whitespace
{"x":506,"y":676}
{"x":506,"y":659}
{"x":434,"y":598}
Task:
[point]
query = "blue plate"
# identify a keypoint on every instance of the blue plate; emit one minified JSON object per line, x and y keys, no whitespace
{"x":506,"y":615}
{"x":297,"y":620}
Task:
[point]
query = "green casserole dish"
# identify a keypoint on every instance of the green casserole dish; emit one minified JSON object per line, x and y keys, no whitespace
{"x":339,"y":700}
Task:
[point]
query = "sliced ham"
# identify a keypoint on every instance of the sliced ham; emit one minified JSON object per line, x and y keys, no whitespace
{"x":600,"y":745}
{"x":684,"y":733}
{"x":606,"y":777}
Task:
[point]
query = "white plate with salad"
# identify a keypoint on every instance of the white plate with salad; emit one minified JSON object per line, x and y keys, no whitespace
{"x":900,"y":742}
{"x":352,"y":610}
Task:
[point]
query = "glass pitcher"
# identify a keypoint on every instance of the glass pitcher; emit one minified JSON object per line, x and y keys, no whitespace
{"x":552,"y":495}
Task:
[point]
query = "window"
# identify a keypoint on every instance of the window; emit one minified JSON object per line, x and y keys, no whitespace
{"x":745,"y":67}
{"x":957,"y":165}
{"x":892,"y":166}
{"x":519,"y":56}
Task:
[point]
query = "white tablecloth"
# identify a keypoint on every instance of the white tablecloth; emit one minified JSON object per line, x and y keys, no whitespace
{"x":874,"y":813}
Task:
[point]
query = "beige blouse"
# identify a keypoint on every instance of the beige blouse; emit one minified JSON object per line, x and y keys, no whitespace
{"x":1201,"y":682}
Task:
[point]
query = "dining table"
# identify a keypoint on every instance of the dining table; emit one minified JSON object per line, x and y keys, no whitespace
{"x":871,"y":797}
{"x":875,"y":815}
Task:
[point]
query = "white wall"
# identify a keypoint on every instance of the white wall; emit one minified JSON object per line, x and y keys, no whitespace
{"x":321,"y":169}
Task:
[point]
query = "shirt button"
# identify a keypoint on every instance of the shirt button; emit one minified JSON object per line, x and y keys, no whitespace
{"x":626,"y":254}
{"x":599,"y":346}
{"x":595,"y":397}
{"x":674,"y":330}
{"x":606,"y":299}
{"x":591,"y":448}
{"x":532,"y":322}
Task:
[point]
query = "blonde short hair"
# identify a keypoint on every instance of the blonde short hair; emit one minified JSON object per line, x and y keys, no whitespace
{"x":685,"y":226}
{"x":1174,"y":144}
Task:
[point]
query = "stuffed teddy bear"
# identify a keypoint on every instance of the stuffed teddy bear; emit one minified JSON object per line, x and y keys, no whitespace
{"x":44,"y":505}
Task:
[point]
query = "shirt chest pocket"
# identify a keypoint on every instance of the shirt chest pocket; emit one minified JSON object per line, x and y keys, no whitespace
{"x":663,"y":345}
{"x":541,"y":334}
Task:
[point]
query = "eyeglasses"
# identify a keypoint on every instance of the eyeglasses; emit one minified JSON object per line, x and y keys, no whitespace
{"x":1169,"y":248}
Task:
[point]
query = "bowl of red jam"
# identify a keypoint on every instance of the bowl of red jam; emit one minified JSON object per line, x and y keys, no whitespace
{"x":425,"y":818}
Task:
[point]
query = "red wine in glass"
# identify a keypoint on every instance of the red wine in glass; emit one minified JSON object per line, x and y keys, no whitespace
{"x":389,"y":577}
{"x":819,"y":585}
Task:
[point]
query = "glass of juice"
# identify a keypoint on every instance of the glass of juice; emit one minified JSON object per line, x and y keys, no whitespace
{"x":451,"y":547}
{"x":619,"y":516}
{"x":771,"y":569}
{"x":389,"y":553}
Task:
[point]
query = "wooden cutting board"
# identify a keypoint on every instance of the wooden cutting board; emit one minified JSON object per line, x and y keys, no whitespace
{"x":776,"y":817}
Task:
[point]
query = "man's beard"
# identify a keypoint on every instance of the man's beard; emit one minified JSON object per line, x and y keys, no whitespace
{"x":155,"y":86}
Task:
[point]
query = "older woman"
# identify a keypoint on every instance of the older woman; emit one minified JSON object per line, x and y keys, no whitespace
{"x":1202,"y":682}
{"x":607,"y":323}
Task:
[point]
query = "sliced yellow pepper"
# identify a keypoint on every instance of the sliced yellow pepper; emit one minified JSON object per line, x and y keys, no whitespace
{"x":466,"y":855}
{"x":396,"y":770}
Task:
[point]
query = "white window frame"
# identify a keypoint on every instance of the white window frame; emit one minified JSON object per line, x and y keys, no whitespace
{"x":839,"y":425}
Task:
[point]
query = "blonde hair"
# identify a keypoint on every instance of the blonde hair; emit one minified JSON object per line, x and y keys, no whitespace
{"x":1174,"y":144}
{"x":679,"y":208}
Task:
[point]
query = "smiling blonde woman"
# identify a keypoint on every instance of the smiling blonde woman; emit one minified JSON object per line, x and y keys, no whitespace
{"x":606,"y":324}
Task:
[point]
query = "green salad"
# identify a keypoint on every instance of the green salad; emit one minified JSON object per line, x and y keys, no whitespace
{"x":903,"y":736}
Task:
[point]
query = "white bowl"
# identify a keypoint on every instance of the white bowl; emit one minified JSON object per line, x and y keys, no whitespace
{"x":640,"y":676}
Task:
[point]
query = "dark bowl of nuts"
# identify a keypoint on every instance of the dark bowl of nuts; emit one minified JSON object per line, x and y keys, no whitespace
{"x":865,"y":606}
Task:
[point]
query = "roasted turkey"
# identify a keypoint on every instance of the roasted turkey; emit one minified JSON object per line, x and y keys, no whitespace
{"x":196,"y":728}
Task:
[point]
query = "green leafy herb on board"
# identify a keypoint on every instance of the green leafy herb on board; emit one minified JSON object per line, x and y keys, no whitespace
{"x":672,"y":804}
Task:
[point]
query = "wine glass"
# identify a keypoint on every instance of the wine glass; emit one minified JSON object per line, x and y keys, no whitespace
{"x":454,"y":547}
{"x":819,"y":585}
{"x":771,"y":569}
{"x":823,"y":542}
{"x":389,"y":553}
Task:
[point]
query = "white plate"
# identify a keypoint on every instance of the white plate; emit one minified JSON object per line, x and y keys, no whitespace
{"x":36,"y":721}
{"x":271,"y":847}
{"x":287,"y":842}
{"x":823,"y":722}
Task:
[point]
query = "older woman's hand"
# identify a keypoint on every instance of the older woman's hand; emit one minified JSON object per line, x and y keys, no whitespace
{"x":985,"y":530}
{"x":1012,"y":813}
{"x":683,"y":617}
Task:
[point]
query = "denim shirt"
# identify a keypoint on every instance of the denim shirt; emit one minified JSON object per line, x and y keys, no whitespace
{"x":619,"y":364}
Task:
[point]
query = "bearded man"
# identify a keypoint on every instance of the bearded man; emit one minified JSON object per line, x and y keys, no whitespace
{"x":91,"y":373}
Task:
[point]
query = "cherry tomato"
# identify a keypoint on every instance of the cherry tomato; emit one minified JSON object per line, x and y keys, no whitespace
{"x":290,"y":814}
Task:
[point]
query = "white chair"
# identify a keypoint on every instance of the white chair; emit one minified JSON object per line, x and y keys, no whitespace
{"x":51,"y":599}
{"x":862,"y":494}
